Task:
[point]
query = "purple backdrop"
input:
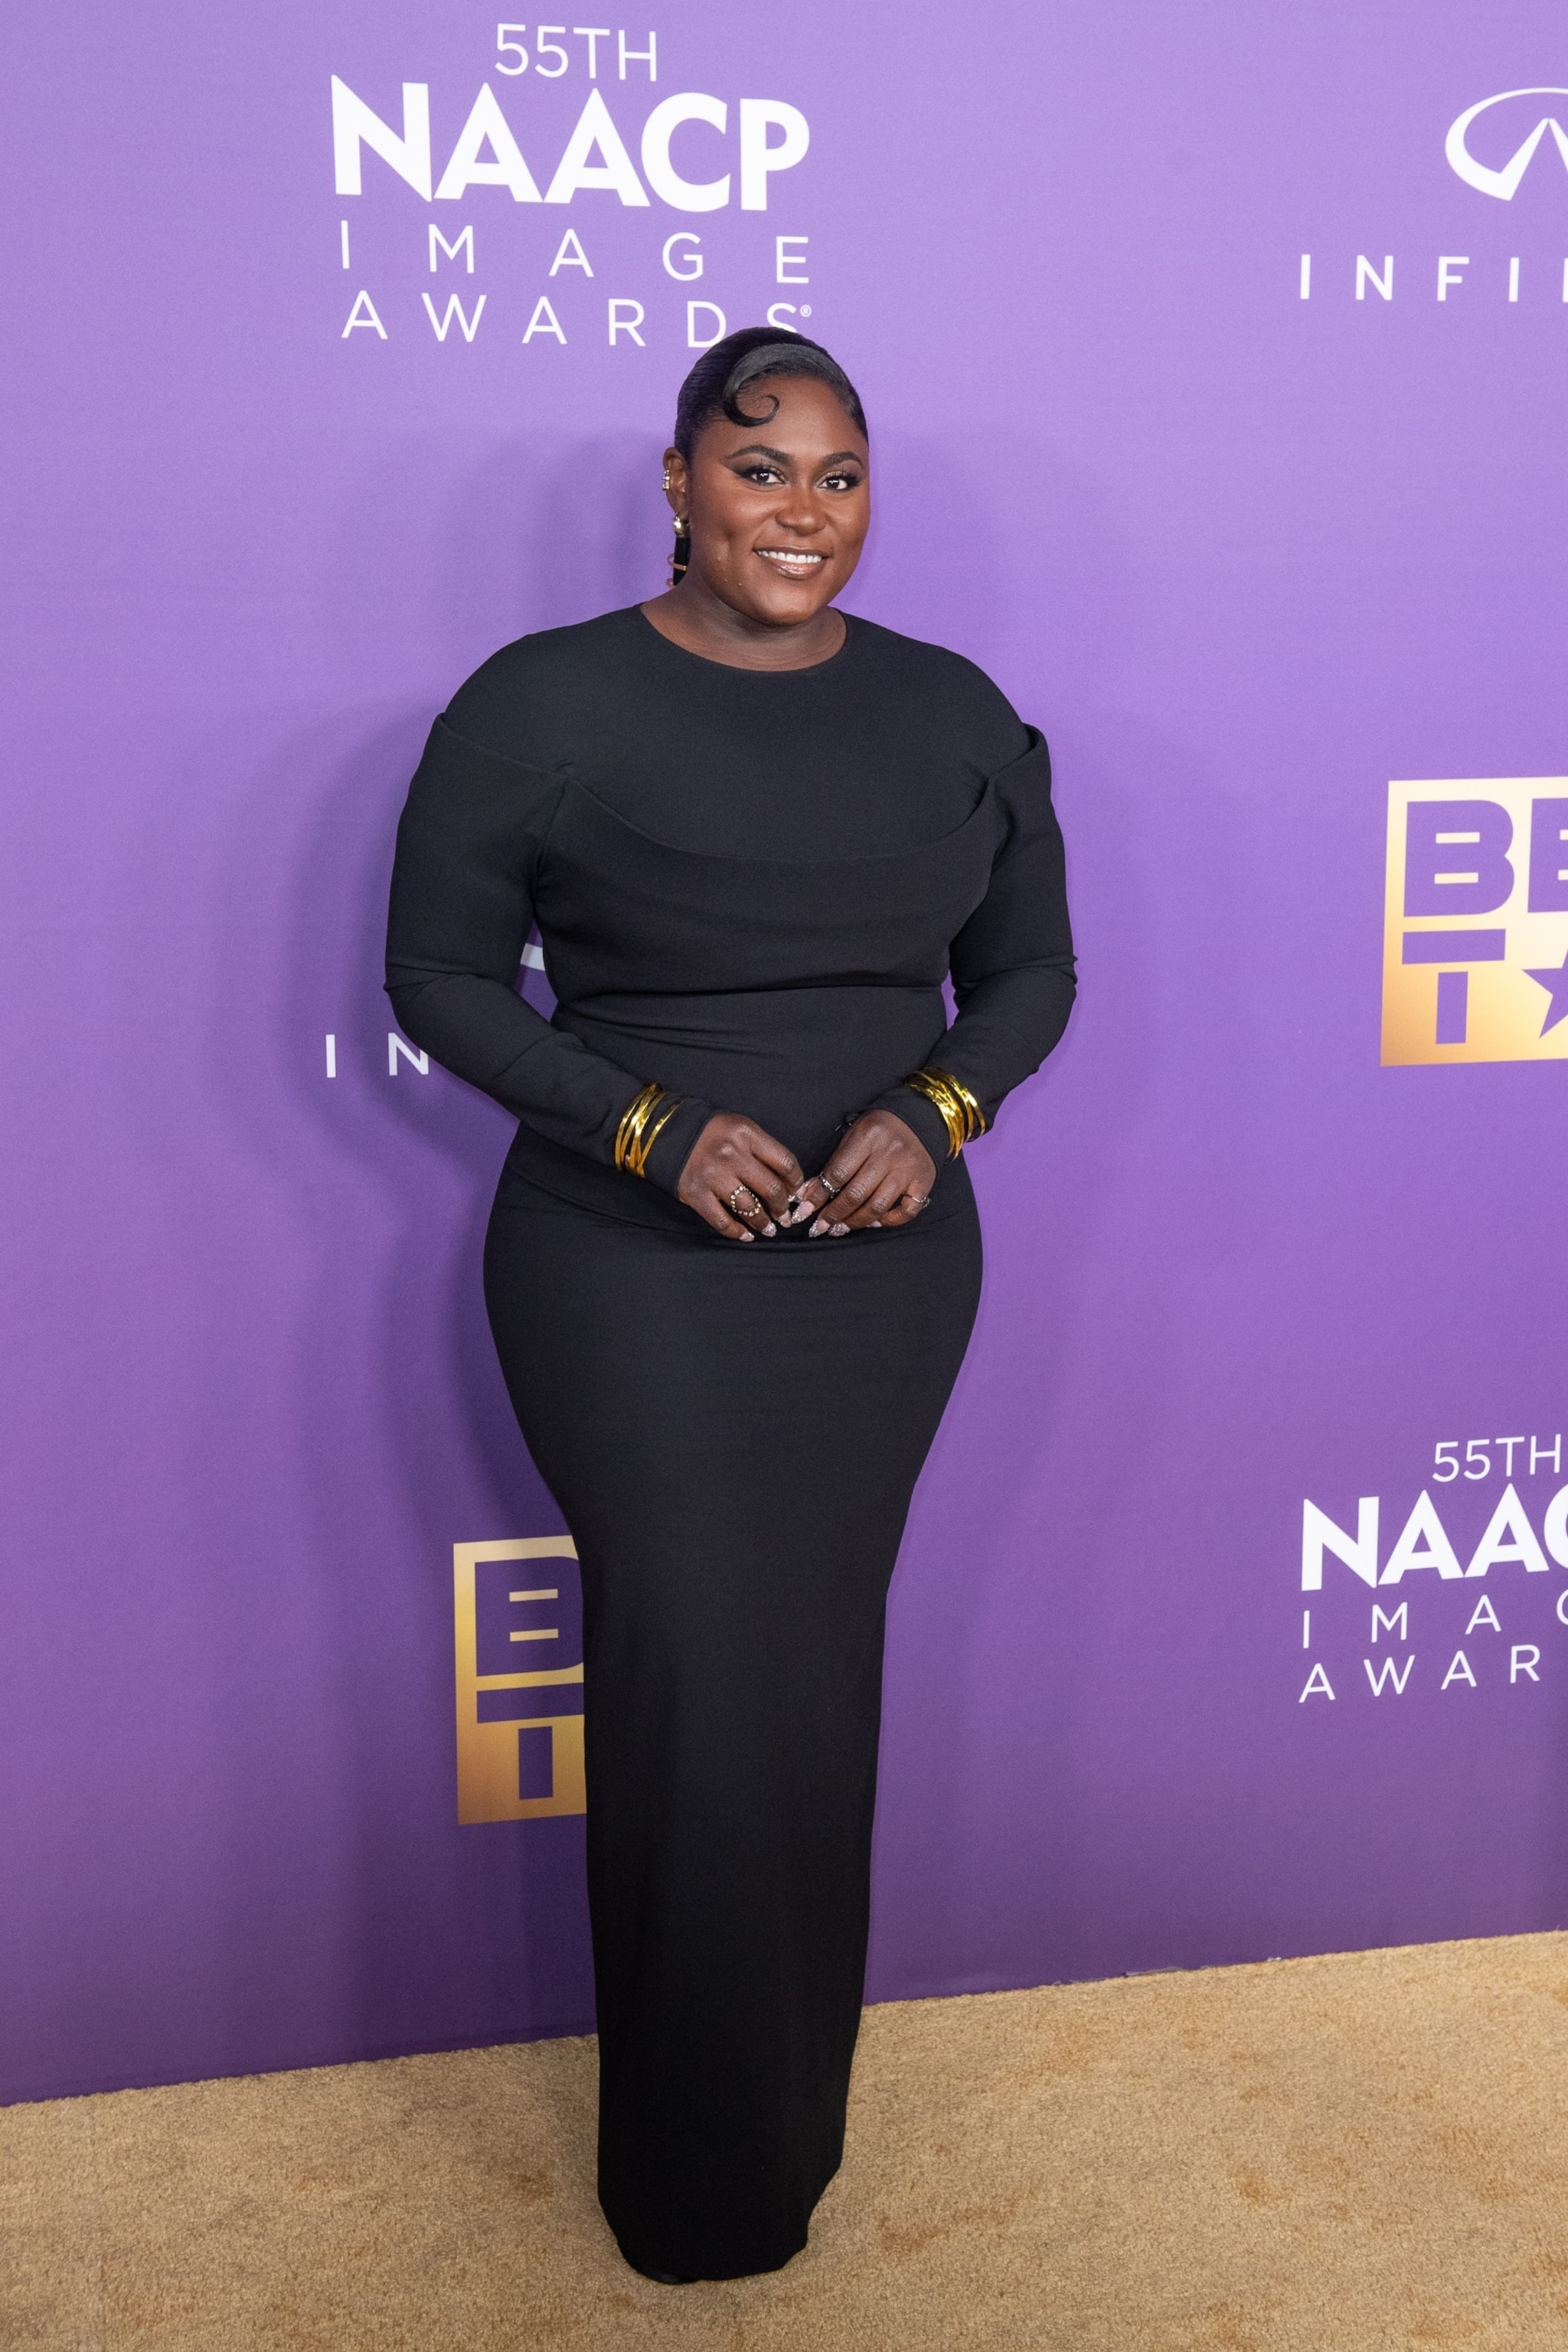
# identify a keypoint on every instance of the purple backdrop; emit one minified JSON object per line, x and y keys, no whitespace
{"x":1247,"y":557}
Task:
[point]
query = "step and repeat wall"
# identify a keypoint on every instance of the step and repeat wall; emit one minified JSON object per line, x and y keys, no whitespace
{"x":1214,"y":361}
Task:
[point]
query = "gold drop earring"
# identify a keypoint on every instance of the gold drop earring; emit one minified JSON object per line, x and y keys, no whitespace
{"x":682,"y":555}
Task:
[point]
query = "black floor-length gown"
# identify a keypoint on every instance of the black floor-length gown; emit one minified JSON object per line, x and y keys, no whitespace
{"x":748,"y":886}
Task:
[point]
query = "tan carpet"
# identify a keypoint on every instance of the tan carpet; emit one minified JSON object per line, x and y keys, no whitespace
{"x":1314,"y":2155}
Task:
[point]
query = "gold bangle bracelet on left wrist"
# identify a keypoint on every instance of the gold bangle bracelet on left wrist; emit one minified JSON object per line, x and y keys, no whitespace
{"x":960,"y":1113}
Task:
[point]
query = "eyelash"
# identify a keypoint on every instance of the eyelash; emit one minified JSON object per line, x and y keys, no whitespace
{"x":769,"y":474}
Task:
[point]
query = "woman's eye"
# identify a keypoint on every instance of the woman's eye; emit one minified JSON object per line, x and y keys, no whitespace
{"x":841,"y":481}
{"x":762,"y":474}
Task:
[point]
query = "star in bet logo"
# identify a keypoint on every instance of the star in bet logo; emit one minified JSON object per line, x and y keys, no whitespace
{"x":1554,"y":980}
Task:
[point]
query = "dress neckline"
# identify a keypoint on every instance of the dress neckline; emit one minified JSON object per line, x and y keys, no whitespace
{"x":744,"y":669}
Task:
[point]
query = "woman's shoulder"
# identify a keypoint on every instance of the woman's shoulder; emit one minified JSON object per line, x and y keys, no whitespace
{"x":952,"y":693}
{"x":529,"y":701}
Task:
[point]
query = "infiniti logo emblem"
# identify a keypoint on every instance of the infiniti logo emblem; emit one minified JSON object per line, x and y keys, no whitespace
{"x":1502,"y":184}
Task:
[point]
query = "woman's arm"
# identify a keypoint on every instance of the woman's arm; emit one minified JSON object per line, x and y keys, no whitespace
{"x":1014,"y":980}
{"x":463,"y":885}
{"x":1013,"y":973}
{"x":462,"y":901}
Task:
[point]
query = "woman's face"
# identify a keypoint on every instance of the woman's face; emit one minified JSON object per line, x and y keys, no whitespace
{"x":779,"y":509}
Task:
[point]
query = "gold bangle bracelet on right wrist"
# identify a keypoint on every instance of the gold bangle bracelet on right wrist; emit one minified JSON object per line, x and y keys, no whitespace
{"x":961,"y":1114}
{"x":642,"y":1122}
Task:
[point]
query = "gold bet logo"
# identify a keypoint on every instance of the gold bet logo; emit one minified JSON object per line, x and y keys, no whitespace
{"x":1475,"y":959}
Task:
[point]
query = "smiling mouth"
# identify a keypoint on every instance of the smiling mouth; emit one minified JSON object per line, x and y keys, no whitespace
{"x":795,"y":562}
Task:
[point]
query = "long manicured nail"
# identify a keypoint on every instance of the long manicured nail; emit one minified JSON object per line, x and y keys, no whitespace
{"x":747,"y":1236}
{"x":821,"y":1226}
{"x":769,"y":1230}
{"x":838,"y":1232}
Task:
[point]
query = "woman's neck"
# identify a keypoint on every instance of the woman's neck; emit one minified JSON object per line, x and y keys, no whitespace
{"x":692,"y":617}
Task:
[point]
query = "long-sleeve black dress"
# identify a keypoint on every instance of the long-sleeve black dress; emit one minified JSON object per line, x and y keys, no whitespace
{"x":750,"y":886}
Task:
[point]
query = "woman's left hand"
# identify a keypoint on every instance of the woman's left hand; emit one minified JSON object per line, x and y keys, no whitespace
{"x":881,"y":1174}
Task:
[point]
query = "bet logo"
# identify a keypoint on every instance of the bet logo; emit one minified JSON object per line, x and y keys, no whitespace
{"x":1475,"y":961}
{"x":518,"y":1621}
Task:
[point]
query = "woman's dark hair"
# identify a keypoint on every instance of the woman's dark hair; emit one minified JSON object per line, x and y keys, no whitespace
{"x":725,"y":371}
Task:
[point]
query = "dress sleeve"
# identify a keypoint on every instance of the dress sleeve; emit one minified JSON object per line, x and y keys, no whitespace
{"x":1013,"y":977}
{"x":463,"y":880}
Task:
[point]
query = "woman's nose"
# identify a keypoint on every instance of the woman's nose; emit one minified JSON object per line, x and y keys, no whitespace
{"x":801,"y":511}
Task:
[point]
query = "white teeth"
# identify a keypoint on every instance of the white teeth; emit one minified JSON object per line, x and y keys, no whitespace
{"x":797,"y":556}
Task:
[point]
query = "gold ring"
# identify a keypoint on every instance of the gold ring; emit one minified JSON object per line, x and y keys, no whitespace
{"x":735,"y":1208}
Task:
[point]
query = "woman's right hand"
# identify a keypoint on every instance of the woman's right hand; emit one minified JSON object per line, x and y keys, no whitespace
{"x":740,"y":1178}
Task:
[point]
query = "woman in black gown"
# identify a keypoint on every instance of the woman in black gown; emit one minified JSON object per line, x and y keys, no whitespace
{"x":734,"y":1257}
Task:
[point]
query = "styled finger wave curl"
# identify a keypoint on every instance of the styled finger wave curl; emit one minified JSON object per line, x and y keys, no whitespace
{"x":713,"y":388}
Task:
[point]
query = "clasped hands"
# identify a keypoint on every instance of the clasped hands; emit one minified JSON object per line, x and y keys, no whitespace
{"x":746,"y":1184}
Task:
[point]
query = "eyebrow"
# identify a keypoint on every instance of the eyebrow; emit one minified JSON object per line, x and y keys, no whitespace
{"x":782,"y":456}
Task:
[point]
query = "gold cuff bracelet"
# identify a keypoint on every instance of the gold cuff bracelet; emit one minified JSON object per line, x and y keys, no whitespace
{"x":642,"y":1122}
{"x":961,"y":1114}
